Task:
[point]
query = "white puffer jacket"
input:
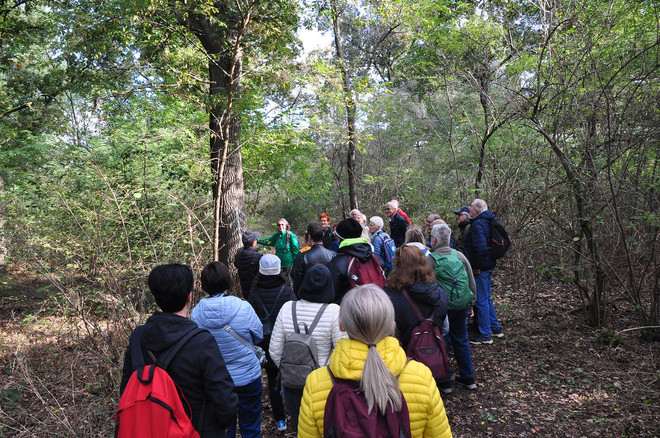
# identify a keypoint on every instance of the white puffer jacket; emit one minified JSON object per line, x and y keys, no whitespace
{"x":326,"y":334}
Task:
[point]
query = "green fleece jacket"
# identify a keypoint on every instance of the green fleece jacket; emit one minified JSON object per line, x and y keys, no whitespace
{"x":285,"y":249}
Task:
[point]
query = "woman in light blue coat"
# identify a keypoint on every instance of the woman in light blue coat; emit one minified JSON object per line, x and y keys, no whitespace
{"x":215,"y":314}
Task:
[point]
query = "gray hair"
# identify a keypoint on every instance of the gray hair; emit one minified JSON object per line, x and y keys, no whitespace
{"x":367,"y":315}
{"x":394,"y":204}
{"x":377,"y":221}
{"x":442,"y":233}
{"x":479,"y":205}
{"x":351,"y":212}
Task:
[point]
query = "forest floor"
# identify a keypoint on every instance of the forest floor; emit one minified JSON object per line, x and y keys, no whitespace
{"x":550,"y":376}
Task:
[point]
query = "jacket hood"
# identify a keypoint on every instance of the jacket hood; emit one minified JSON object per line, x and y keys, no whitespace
{"x":347,"y":359}
{"x":483,"y":215}
{"x":269,"y":281}
{"x":427,"y":293}
{"x":215,"y":311}
{"x":360,"y":250}
{"x":165,"y":329}
{"x":317,"y":285}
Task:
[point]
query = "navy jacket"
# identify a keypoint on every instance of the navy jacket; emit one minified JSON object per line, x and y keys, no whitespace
{"x":198,"y":369}
{"x":398,"y":227}
{"x":476,"y":242}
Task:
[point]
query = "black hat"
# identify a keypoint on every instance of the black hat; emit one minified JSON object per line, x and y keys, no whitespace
{"x":348,"y":229}
{"x":317,"y":285}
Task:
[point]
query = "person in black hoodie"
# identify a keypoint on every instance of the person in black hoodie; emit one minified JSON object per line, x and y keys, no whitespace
{"x":198,"y":369}
{"x":413,"y":274}
{"x":247,"y":261}
{"x":269,"y":292}
{"x":351,"y":245}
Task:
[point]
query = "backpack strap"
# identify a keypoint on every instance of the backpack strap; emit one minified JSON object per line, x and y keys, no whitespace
{"x":163,"y":362}
{"x":263,"y":306}
{"x":355,"y":278}
{"x":295,"y":319}
{"x":415,"y":308}
{"x":317,"y":318}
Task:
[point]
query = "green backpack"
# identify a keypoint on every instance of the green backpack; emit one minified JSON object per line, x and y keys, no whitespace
{"x":451,"y":277}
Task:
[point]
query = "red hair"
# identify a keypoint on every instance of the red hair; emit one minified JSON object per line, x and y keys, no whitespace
{"x":325,"y":216}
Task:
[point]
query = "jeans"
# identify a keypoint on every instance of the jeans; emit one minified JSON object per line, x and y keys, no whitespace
{"x":249,"y":411}
{"x":484,"y":305}
{"x":292,"y":400}
{"x":459,"y":341}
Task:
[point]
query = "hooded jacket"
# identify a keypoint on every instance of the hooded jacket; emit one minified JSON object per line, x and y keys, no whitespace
{"x":247,"y":265}
{"x":213,"y":314}
{"x":198,"y":369}
{"x":338,"y":266}
{"x":427,"y":296}
{"x":268,"y":292}
{"x":427,"y":412}
{"x":476,"y":242}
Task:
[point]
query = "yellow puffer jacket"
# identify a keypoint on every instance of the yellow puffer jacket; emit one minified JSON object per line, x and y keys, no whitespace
{"x":427,"y":412}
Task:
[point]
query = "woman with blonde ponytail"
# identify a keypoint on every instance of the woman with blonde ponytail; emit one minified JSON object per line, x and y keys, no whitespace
{"x":373,"y":357}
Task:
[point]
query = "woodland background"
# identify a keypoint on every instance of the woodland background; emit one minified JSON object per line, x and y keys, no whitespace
{"x":139,"y":132}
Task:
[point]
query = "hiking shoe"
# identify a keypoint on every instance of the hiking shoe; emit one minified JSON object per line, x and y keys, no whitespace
{"x":498,"y":333}
{"x":466,"y":382}
{"x":481,"y":339}
{"x":281,"y":425}
{"x":445,"y":387}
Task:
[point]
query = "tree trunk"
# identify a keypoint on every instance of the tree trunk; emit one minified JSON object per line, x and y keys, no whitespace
{"x":350,"y":103}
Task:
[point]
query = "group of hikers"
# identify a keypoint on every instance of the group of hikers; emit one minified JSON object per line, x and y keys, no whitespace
{"x":352,"y":328}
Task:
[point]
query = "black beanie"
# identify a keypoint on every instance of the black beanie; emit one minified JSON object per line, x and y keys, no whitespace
{"x":317,"y":285}
{"x":349,"y":229}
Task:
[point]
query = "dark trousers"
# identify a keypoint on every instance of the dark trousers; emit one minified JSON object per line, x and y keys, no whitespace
{"x":292,"y":400}
{"x":249,"y":411}
{"x":274,"y":392}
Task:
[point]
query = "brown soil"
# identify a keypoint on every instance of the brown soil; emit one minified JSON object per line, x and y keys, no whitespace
{"x":550,"y":376}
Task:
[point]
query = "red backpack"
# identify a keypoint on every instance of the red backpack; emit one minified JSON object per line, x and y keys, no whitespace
{"x":427,"y":345}
{"x":152,"y":405}
{"x":346,"y":414}
{"x":368,"y":272}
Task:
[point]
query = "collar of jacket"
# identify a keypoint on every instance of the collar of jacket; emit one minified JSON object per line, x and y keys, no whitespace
{"x":352,"y":241}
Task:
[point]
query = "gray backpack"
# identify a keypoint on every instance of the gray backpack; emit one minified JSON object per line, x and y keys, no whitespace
{"x":299,"y":354}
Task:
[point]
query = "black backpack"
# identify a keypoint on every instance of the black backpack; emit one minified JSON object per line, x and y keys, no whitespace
{"x":499,"y":242}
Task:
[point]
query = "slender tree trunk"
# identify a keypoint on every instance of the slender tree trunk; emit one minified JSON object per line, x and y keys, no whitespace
{"x":349,"y":101}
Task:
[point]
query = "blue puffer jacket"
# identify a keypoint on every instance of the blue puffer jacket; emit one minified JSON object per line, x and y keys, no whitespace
{"x":476,"y":242}
{"x":217,"y":311}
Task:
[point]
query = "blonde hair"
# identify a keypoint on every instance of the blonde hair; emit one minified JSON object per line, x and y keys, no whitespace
{"x":367,"y":315}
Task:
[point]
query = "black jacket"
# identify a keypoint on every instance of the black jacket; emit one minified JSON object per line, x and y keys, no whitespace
{"x":338,"y":266}
{"x":198,"y":369}
{"x":247,"y":264}
{"x":328,"y":237}
{"x":427,"y":296}
{"x":268,"y":289}
{"x":304,"y":260}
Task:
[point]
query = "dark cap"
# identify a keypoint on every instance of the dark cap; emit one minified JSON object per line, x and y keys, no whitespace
{"x":317,"y":285}
{"x":348,"y":229}
{"x":463,"y":210}
{"x":249,"y":237}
